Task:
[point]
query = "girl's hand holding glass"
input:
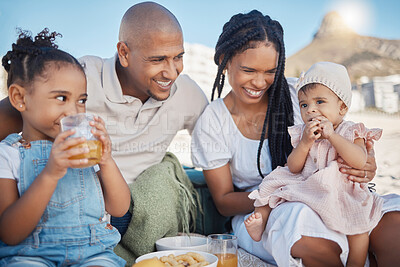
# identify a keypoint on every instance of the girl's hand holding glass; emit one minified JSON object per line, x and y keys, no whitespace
{"x":84,"y":126}
{"x":99,"y":131}
{"x":62,"y":150}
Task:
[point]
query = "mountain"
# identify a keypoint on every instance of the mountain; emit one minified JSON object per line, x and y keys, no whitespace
{"x":362,"y":55}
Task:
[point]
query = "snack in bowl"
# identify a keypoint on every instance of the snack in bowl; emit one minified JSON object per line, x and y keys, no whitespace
{"x":196,"y":243}
{"x":182,"y":258}
{"x":149,"y":263}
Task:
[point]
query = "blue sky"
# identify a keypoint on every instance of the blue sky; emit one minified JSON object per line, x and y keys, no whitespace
{"x":90,"y":27}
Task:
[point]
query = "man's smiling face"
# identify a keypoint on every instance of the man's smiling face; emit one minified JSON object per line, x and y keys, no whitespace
{"x":155,"y":64}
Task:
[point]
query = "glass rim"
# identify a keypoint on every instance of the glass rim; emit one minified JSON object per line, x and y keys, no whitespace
{"x":82,"y":114}
{"x":222,"y":237}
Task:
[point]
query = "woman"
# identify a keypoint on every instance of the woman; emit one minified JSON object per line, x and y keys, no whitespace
{"x":241,"y":138}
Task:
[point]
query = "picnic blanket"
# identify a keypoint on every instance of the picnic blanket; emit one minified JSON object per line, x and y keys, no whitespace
{"x":163,"y":203}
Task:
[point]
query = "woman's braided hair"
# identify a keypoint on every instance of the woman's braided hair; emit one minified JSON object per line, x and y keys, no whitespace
{"x":30,"y":57}
{"x":240,"y":33}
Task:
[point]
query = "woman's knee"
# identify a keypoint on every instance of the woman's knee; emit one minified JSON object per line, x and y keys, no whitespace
{"x":317,"y":251}
{"x":385,"y":239}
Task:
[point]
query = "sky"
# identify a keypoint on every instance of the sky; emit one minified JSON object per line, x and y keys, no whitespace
{"x":90,"y":27}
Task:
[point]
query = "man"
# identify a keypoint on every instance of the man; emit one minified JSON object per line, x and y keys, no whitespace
{"x":139,"y":91}
{"x":139,"y":94}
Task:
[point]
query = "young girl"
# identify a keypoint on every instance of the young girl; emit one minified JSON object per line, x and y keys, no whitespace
{"x":51,"y":210}
{"x":312,"y":173}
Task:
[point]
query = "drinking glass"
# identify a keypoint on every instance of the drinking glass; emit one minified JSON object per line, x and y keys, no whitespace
{"x":224,"y":246}
{"x":80,"y":122}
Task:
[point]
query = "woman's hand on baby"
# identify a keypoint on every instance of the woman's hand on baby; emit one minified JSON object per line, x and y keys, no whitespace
{"x":61,"y":151}
{"x":101,"y":134}
{"x":365,"y":174}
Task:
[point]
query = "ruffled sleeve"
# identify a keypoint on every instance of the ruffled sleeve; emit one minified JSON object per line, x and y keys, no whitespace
{"x":209,"y":147}
{"x":295,"y":133}
{"x":358,"y":130}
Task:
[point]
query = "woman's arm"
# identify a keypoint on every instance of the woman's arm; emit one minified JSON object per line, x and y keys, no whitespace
{"x":11,"y":120}
{"x":227,"y":201}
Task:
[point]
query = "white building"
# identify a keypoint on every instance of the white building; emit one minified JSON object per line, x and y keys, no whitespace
{"x":357,"y":101}
{"x":199,"y":64}
{"x":382,"y":92}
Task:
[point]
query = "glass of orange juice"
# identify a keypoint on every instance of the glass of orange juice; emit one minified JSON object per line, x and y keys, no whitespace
{"x":80,"y":122}
{"x":224,"y":246}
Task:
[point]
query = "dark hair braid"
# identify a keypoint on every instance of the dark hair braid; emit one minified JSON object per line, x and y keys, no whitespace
{"x":244,"y":31}
{"x":281,"y":115}
{"x":29,"y":57}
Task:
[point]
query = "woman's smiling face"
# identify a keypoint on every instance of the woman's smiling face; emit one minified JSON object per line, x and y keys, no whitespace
{"x":252,"y":72}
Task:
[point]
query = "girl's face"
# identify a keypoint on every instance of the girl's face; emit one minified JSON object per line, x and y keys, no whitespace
{"x":61,"y":93}
{"x":321,"y":101}
{"x":252,"y":72}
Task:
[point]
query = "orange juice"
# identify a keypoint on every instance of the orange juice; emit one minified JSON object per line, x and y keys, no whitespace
{"x":227,"y":260}
{"x":94,"y":155}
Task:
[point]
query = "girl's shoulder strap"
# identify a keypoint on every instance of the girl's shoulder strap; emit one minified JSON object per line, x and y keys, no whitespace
{"x":12,"y":139}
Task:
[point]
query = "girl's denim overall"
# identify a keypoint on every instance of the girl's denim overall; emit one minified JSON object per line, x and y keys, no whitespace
{"x":71,"y":230}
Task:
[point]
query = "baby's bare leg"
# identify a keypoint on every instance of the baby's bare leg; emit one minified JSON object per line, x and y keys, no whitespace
{"x":256,"y":222}
{"x":358,"y":249}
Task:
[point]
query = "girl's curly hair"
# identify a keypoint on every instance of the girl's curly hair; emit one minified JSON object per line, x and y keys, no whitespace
{"x":29,"y":56}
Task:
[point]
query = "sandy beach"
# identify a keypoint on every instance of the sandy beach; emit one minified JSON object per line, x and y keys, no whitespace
{"x":387,"y":179}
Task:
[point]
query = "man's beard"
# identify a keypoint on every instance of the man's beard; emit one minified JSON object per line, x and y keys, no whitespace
{"x":156,"y":97}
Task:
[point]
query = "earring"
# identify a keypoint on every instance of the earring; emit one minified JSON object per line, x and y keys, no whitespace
{"x":20,"y":105}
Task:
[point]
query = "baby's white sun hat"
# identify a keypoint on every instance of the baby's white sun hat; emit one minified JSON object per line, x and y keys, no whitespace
{"x":332,"y":75}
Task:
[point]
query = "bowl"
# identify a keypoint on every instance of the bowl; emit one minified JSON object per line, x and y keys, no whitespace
{"x":196,"y":243}
{"x":212,"y":259}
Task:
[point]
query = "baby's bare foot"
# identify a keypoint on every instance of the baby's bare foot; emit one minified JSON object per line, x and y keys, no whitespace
{"x":255,"y":226}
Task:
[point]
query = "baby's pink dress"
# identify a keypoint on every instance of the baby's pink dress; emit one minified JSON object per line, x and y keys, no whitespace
{"x":344,"y":206}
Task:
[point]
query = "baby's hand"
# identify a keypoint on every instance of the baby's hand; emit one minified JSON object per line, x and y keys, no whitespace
{"x":101,"y":134}
{"x":61,"y":151}
{"x":311,"y":133}
{"x":326,"y":126}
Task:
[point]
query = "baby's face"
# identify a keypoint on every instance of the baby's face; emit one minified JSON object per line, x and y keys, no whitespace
{"x":321,"y":101}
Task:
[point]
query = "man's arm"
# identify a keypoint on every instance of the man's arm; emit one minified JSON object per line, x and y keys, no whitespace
{"x":10,"y":119}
